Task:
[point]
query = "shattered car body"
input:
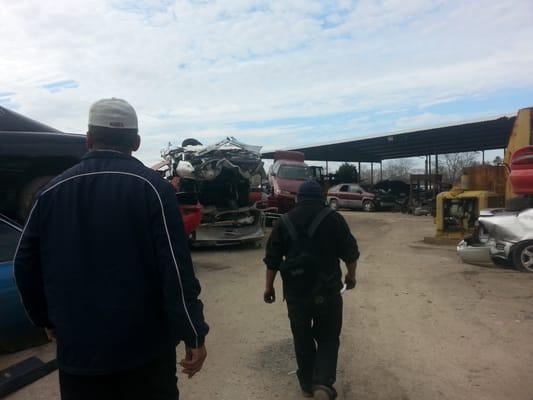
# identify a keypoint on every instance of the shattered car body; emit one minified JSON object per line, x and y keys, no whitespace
{"x":502,"y":237}
{"x":230,"y":227}
{"x":222,"y":175}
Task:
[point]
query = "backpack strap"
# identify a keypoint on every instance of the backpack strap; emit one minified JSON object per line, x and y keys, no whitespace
{"x":318,"y":220}
{"x":290,"y":227}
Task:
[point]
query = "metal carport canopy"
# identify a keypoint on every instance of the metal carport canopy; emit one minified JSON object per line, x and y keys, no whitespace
{"x":471,"y":136}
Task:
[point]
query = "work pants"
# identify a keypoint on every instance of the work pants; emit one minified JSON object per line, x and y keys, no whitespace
{"x":316,"y":325}
{"x":153,"y":381}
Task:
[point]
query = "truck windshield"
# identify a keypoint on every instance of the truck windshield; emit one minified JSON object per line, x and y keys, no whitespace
{"x":295,"y":172}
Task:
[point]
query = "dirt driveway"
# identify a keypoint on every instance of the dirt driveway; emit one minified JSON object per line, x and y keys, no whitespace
{"x":419,"y":325}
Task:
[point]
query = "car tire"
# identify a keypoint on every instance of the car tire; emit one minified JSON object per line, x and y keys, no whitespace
{"x":523,"y":256}
{"x":334,"y":204}
{"x":28,"y":195}
{"x":369,"y":206}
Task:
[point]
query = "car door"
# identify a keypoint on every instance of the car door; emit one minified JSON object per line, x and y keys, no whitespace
{"x":356,"y":196}
{"x":16,"y":330}
{"x":344,"y":196}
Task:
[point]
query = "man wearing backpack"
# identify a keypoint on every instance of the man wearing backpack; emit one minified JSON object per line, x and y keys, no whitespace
{"x":306,"y":246}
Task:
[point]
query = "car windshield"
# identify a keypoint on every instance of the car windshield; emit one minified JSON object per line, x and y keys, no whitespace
{"x":295,"y":172}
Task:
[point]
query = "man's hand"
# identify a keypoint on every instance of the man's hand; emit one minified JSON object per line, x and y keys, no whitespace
{"x":51,"y":333}
{"x":350,"y":281}
{"x":194,"y":360}
{"x":270,"y":295}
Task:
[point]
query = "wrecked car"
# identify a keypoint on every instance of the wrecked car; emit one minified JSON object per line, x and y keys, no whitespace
{"x":501,"y":237}
{"x":353,"y":196}
{"x":31,"y":154}
{"x":16,"y":330}
{"x":394,"y":194}
{"x":222,"y":176}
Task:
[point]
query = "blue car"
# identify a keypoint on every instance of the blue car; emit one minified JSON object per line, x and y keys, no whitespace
{"x":16,"y":330}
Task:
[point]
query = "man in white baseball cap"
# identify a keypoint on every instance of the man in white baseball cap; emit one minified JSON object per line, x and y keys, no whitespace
{"x":113,"y":126}
{"x":104,"y":265}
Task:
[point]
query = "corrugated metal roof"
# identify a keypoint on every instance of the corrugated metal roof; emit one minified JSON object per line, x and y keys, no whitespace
{"x":471,"y":136}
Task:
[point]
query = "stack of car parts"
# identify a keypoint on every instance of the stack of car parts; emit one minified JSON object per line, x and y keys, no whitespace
{"x":222,"y":176}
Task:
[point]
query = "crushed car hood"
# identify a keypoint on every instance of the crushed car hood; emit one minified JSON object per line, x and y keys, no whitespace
{"x":222,"y":174}
{"x":207,"y":163}
{"x":509,"y":226}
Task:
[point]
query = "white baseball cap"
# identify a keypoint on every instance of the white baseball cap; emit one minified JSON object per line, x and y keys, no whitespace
{"x":113,"y":113}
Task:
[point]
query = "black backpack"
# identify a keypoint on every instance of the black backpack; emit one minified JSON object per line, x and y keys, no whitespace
{"x":300,"y":270}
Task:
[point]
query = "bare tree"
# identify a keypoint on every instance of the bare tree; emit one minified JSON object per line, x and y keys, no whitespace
{"x":364,"y":174}
{"x":452,"y":165}
{"x":398,"y":169}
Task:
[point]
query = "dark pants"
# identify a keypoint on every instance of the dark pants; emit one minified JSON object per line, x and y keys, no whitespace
{"x":316,"y":326}
{"x":153,"y":381}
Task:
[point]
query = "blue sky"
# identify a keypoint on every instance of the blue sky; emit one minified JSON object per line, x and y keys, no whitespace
{"x":273,"y":73}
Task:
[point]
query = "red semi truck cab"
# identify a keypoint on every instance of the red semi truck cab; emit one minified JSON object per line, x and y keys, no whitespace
{"x":521,"y":175}
{"x":285,"y":176}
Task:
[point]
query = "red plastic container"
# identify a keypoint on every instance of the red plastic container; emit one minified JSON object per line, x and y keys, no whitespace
{"x":192,"y":216}
{"x":521,"y":175}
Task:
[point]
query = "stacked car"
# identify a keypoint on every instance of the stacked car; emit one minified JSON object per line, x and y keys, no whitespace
{"x":221,"y":177}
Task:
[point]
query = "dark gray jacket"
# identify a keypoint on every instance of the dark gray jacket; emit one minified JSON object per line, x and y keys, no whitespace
{"x":104,"y":260}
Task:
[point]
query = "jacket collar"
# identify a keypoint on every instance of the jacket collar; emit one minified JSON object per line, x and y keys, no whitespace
{"x":108,"y":154}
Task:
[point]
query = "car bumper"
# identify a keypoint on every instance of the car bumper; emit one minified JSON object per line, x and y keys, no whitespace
{"x":386,"y":204}
{"x":208,"y":235}
{"x":477,"y":255}
{"x":501,"y":249}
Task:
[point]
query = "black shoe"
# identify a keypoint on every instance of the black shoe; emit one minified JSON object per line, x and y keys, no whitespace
{"x":307,"y":390}
{"x":321,"y":392}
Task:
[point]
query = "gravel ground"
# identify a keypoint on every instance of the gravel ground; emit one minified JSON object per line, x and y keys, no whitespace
{"x":419,"y":325}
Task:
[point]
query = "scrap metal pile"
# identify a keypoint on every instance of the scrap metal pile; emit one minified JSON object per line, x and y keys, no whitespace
{"x":222,"y":175}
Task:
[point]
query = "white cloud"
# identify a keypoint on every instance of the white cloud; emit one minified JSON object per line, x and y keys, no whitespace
{"x":197,"y":68}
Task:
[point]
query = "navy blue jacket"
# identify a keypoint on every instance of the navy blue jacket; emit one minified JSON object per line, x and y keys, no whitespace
{"x":104,"y":260}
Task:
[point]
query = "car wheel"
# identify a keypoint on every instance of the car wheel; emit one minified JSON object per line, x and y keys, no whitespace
{"x":523,"y":257}
{"x":28,"y":195}
{"x":334,"y":204}
{"x":369,"y":206}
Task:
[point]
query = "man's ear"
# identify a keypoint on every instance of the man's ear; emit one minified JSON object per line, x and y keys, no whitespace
{"x":137,"y":143}
{"x":89,"y":141}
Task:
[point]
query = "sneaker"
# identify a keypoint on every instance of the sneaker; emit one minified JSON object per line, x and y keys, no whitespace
{"x":324,"y":393}
{"x":321,"y":394}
